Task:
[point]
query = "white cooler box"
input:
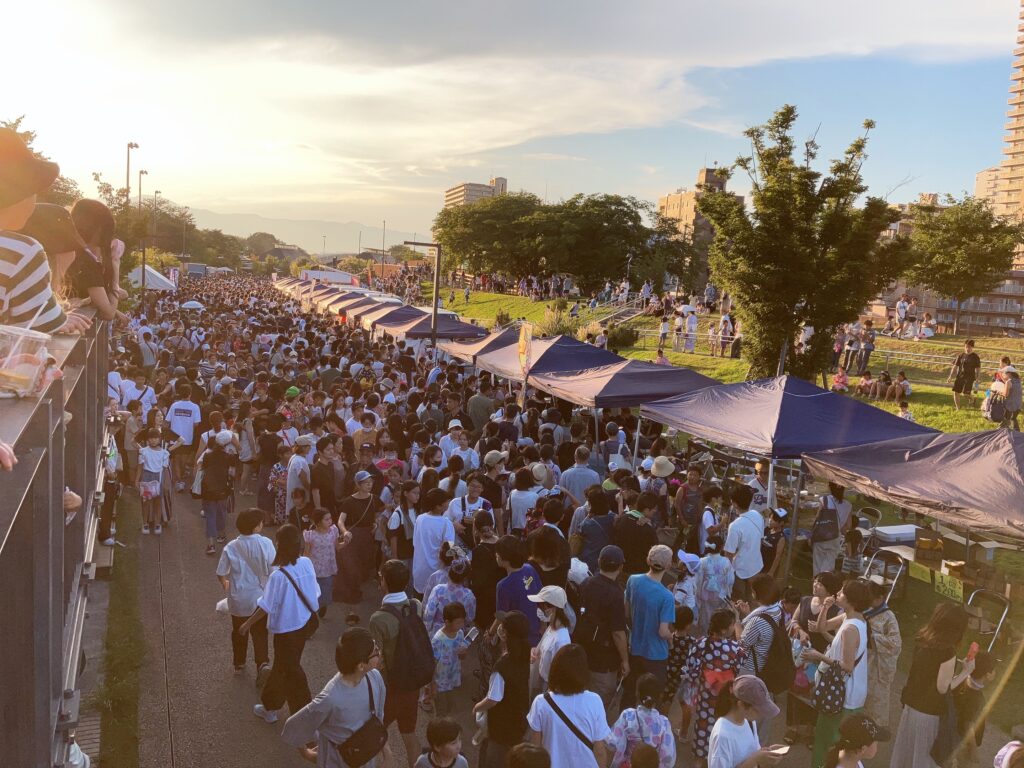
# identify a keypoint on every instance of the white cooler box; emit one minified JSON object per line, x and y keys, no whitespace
{"x":890,"y":535}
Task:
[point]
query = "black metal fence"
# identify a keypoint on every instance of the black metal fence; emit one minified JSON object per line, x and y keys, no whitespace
{"x":45,"y":563}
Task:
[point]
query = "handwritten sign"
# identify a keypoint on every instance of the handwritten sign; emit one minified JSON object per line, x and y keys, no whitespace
{"x":920,"y":572}
{"x":949,"y":586}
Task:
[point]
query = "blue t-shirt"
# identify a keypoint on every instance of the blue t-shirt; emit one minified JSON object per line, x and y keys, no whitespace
{"x":650,"y":604}
{"x":513,"y":595}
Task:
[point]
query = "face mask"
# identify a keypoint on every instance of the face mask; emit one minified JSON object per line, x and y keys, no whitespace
{"x":541,"y":614}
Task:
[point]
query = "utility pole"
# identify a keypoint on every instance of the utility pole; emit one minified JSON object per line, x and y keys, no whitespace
{"x":141,"y":174}
{"x":437,"y":287}
{"x":128,"y":171}
{"x":383,"y":238}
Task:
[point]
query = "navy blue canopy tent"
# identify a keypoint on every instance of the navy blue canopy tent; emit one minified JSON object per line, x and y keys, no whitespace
{"x":558,"y":353}
{"x":420,"y":328}
{"x":332,"y":302}
{"x":624,"y":384}
{"x":346,"y":306}
{"x":468,"y":350}
{"x":973,"y":479}
{"x":391,"y":313}
{"x":782,"y":417}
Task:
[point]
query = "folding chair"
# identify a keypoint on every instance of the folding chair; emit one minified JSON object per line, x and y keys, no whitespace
{"x":880,"y":567}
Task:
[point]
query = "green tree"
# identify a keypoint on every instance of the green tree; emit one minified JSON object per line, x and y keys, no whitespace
{"x":805,"y":254}
{"x":260,"y":243}
{"x":401,"y":252}
{"x":490,"y":235}
{"x":962,"y":250}
{"x":296,"y":267}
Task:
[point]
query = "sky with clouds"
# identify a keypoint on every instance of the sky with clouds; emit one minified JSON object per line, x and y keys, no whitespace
{"x":357,"y":112}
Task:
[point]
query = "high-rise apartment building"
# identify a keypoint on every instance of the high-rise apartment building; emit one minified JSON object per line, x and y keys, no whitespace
{"x":986,"y":184}
{"x":681,"y":205}
{"x":469,"y":192}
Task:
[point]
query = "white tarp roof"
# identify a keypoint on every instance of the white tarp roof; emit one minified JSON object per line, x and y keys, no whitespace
{"x":154,"y":280}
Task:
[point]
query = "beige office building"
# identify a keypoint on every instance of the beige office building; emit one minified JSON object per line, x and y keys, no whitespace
{"x":986,"y":184}
{"x":681,"y":205}
{"x":468,"y":193}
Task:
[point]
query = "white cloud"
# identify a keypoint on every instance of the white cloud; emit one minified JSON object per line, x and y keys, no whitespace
{"x":554,"y":157}
{"x":331,"y":104}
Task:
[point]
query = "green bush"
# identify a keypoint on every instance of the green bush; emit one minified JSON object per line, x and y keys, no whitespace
{"x":561,"y":304}
{"x":502,"y":318}
{"x":621,"y":337}
{"x":556,"y":323}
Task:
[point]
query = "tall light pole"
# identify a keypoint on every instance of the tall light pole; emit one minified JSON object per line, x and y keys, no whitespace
{"x":141,"y":174}
{"x":323,"y":253}
{"x":383,"y":237}
{"x":128,"y":170}
{"x":437,"y":286}
{"x":152,"y":228}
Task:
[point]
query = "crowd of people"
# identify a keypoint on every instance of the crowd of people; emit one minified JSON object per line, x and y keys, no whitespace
{"x":584,"y":606}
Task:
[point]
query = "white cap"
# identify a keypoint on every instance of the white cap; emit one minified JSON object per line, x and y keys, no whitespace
{"x":224,"y":437}
{"x":551,"y":595}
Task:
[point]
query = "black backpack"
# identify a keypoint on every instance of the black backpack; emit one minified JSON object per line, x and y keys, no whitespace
{"x":412,"y":665}
{"x":778,"y":670}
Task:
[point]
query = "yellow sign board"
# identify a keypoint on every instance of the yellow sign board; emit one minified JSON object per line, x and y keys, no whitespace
{"x":949,"y":586}
{"x":920,"y":572}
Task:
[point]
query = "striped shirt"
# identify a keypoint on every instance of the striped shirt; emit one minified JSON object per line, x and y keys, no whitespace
{"x":25,"y":285}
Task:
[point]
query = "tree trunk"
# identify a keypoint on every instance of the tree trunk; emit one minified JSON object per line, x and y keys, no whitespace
{"x":956,"y":317}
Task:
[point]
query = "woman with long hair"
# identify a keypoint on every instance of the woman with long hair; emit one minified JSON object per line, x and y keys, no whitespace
{"x":93,"y":274}
{"x":402,"y":522}
{"x":505,"y":705}
{"x":289,"y":602}
{"x":932,"y":676}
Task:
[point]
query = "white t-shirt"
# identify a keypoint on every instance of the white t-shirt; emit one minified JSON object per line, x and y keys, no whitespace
{"x":548,"y":646}
{"x":297,"y":467}
{"x":237,"y":560}
{"x":462,"y":508}
{"x":182,"y":418}
{"x":586,"y":711}
{"x":707,"y":520}
{"x":286,"y":610}
{"x":731,"y":744}
{"x":154,"y":459}
{"x":744,"y":540}
{"x":429,"y":531}
{"x":460,"y":487}
{"x":521,"y":502}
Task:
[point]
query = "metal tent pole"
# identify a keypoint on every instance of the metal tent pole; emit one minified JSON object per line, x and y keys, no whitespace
{"x":636,"y":443}
{"x":791,"y":544}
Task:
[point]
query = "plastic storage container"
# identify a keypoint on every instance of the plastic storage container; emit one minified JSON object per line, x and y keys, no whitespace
{"x":22,"y":360}
{"x":889,"y":535}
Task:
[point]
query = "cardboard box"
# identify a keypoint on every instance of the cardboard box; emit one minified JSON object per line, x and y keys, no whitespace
{"x":928,"y":546}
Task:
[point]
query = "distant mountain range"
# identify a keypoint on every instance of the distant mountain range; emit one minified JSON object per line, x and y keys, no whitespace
{"x":342,"y":237}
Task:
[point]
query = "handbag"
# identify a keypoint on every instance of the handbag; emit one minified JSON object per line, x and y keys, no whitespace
{"x":310,"y":627}
{"x":149,"y":489}
{"x":367,"y":742}
{"x":829,"y":694}
{"x":197,"y":481}
{"x":826,"y":524}
{"x":565,"y":719}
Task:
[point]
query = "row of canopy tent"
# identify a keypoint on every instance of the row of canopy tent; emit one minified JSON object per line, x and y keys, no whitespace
{"x":377,"y":311}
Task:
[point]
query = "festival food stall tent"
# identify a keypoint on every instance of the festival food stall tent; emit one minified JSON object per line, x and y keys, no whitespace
{"x":332,"y":302}
{"x":972,"y":480}
{"x":469,"y":350}
{"x":782,"y":418}
{"x":557,"y":353}
{"x":355,"y":314}
{"x":392,"y":313}
{"x":155,"y":281}
{"x":625,"y":384}
{"x":420,"y":328}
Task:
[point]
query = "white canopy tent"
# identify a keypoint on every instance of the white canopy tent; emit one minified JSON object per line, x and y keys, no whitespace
{"x":154,"y":280}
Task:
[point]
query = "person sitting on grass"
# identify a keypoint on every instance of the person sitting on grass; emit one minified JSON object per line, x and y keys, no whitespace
{"x":899,"y":390}
{"x":881,"y":385}
{"x":841,"y":382}
{"x":865,"y":384}
{"x":904,"y":411}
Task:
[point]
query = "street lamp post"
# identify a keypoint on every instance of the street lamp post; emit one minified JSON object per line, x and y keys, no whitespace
{"x":128,"y":171}
{"x":184,"y":226}
{"x":141,"y":174}
{"x":437,"y":287}
{"x":383,"y":238}
{"x":152,"y":228}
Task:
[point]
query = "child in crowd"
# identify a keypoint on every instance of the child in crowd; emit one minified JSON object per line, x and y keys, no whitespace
{"x":713,"y":662}
{"x":853,"y":552}
{"x":153,"y":460}
{"x":969,"y":700}
{"x":714,"y":580}
{"x":841,"y":381}
{"x":323,"y":541}
{"x":642,"y":724}
{"x":685,"y":590}
{"x":679,"y":686}
{"x":453,"y":590}
{"x":450,"y":646}
{"x":904,"y":411}
{"x":444,"y":737}
{"x":790,"y":603}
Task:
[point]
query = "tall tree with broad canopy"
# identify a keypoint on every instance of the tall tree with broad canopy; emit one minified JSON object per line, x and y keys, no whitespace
{"x":961,"y":250}
{"x":805,"y":254}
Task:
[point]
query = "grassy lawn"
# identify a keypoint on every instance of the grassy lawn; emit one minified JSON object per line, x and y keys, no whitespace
{"x":118,"y":699}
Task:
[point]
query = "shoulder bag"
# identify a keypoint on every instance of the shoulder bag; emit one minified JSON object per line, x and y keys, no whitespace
{"x":826,"y":523}
{"x":569,"y":723}
{"x":368,"y":741}
{"x":310,"y":627}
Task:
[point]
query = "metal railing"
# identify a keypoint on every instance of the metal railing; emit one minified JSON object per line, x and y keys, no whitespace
{"x":46,"y":564}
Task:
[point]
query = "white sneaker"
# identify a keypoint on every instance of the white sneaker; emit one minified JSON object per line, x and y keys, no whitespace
{"x":260,"y":711}
{"x":108,"y":542}
{"x":158,"y":530}
{"x":145,"y":530}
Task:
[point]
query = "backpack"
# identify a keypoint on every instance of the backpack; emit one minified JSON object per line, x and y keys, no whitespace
{"x":993,"y":408}
{"x":412,"y":666}
{"x":826,"y":524}
{"x":778,"y":670}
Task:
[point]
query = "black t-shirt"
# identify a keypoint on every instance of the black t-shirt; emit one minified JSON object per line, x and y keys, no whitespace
{"x":920,"y":691}
{"x":602,"y":611}
{"x":85,"y":273}
{"x":485,"y":577}
{"x":360,"y":513}
{"x":267,"y":444}
{"x":635,"y":540}
{"x":492,"y":492}
{"x":322,"y":479}
{"x":967,"y":365}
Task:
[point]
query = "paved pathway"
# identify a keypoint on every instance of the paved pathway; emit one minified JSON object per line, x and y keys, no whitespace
{"x":195,"y":712}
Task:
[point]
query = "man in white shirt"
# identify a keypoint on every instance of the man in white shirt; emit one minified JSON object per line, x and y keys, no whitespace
{"x":182,"y":418}
{"x":138,"y":389}
{"x":743,"y":541}
{"x":450,"y":442}
{"x":762,"y":493}
{"x":691,"y":331}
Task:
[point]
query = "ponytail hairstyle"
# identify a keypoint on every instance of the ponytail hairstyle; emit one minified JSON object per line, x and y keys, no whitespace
{"x":648,"y":691}
{"x":726,"y":701}
{"x":720,"y":621}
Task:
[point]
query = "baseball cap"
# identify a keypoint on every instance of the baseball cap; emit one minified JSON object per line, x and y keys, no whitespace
{"x":647,"y":464}
{"x":224,"y":437}
{"x":454,"y":424}
{"x":858,"y":731}
{"x":362,"y":475}
{"x":611,"y":557}
{"x":493,"y":458}
{"x":551,"y":595}
{"x":292,"y":392}
{"x":387,"y":383}
{"x":307,"y":440}
{"x":753,"y":692}
{"x":660,"y":556}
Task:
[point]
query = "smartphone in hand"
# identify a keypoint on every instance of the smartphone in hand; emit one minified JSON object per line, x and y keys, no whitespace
{"x":473,"y":634}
